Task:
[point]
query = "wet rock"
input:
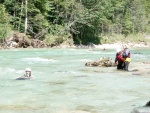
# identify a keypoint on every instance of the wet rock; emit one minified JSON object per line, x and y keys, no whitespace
{"x":136,"y":74}
{"x":102,"y":62}
{"x":134,"y":70}
{"x":148,"y":104}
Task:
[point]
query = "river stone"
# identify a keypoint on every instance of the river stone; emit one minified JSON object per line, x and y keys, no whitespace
{"x":102,"y":62}
{"x":136,"y":74}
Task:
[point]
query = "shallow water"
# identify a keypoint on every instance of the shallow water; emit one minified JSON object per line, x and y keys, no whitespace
{"x":64,"y":84}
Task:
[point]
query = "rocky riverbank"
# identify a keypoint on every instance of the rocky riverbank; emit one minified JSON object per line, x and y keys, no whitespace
{"x":19,"y":40}
{"x":107,"y":46}
{"x":122,"y":45}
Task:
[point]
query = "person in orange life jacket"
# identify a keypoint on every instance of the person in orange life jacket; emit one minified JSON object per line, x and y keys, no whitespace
{"x":126,"y":55}
{"x":119,"y":59}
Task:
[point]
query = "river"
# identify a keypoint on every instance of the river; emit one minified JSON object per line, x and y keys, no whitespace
{"x":63,"y":84}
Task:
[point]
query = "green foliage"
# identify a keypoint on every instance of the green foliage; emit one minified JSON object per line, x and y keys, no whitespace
{"x":52,"y":40}
{"x":4,"y":26}
{"x":85,"y":20}
{"x":127,"y":24}
{"x":130,"y":38}
{"x":85,"y":28}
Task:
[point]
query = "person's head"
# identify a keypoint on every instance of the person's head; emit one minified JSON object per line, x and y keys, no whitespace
{"x":127,"y":51}
{"x":118,"y":50}
{"x":28,"y":72}
{"x":124,"y":49}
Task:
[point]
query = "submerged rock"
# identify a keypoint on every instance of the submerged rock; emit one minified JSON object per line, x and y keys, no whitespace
{"x":143,"y":109}
{"x":102,"y":62}
{"x":148,"y":104}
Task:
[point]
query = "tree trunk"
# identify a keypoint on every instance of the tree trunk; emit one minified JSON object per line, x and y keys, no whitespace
{"x":26,"y":18}
{"x":20,"y":16}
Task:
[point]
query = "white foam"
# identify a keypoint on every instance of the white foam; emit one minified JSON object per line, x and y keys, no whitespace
{"x":83,"y":60}
{"x":7,"y":69}
{"x":69,"y":72}
{"x":38,"y":59}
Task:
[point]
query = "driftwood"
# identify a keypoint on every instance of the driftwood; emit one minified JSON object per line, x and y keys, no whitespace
{"x":102,"y":62}
{"x":36,"y":43}
{"x":20,"y":40}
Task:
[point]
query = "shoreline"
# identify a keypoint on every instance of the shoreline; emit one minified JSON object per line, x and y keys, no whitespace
{"x":90,"y":46}
{"x":121,"y":46}
{"x":107,"y":46}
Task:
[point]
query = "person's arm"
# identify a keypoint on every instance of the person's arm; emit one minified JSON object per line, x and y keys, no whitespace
{"x":116,"y":57}
{"x":129,"y":55}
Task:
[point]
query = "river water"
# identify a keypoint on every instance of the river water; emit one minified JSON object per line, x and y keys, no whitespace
{"x":63,"y":84}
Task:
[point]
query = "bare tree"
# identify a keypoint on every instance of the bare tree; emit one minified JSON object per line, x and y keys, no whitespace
{"x":20,"y":16}
{"x":26,"y":18}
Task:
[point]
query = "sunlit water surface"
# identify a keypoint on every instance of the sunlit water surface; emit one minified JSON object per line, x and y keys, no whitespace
{"x":64,"y":84}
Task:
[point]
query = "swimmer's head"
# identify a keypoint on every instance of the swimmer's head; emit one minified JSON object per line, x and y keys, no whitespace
{"x":28,"y":69}
{"x":28,"y":72}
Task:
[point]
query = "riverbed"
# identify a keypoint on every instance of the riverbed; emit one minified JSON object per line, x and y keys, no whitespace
{"x":63,"y":84}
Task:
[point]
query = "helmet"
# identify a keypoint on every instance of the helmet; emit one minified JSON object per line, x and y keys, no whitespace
{"x":28,"y":69}
{"x":118,"y":50}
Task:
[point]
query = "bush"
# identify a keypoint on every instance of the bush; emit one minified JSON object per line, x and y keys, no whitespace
{"x":52,"y":40}
{"x":4,"y":24}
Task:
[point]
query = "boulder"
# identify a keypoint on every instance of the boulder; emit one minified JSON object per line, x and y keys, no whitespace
{"x":102,"y":62}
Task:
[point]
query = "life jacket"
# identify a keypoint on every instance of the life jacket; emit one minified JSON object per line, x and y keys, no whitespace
{"x":128,"y":60}
{"x":127,"y":55}
{"x":120,"y":58}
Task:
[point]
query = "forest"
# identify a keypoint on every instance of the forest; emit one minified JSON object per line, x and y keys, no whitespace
{"x":84,"y":21}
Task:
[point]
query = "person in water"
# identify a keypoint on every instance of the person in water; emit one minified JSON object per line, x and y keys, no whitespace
{"x":26,"y":76}
{"x":126,"y":55}
{"x":27,"y":72}
{"x":119,"y":58}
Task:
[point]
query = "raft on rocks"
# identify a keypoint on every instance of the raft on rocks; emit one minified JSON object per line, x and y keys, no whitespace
{"x":102,"y":62}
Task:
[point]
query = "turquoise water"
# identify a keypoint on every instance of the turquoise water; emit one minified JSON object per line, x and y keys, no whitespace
{"x":63,"y":84}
